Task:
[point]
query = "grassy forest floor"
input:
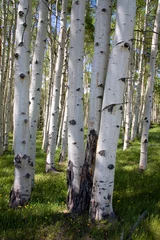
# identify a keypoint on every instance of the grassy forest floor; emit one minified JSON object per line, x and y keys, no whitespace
{"x":46,"y":217}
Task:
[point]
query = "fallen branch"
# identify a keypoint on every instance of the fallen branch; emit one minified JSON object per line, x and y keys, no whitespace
{"x":141,"y":217}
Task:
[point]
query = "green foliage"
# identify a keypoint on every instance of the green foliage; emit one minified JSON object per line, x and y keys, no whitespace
{"x":46,"y":217}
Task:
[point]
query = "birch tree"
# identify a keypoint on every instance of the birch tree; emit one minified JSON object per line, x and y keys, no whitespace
{"x":54,"y":113}
{"x":75,"y":104}
{"x":149,"y":92}
{"x":36,"y":78}
{"x":21,"y":189}
{"x":103,"y":181}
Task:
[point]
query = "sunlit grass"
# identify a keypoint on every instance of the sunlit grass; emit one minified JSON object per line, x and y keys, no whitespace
{"x":46,"y":217}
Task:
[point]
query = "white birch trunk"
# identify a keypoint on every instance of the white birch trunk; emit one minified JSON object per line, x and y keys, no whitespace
{"x":21,"y":189}
{"x":149,"y":93}
{"x":54,"y":113}
{"x":75,"y":104}
{"x":36,"y":78}
{"x":103,"y":182}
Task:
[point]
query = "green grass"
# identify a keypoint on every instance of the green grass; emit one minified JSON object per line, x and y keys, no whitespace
{"x":46,"y":217}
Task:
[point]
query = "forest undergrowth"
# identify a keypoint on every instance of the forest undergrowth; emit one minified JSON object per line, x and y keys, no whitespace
{"x":136,"y":200}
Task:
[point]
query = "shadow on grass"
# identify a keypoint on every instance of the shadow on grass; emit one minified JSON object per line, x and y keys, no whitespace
{"x":44,"y":218}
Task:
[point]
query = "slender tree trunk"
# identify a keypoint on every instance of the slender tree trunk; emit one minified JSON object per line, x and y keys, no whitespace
{"x":100,"y":63}
{"x":128,"y":109}
{"x":149,"y":93}
{"x":64,"y":132}
{"x":36,"y":78}
{"x":21,"y":189}
{"x":103,"y":182}
{"x":54,"y":113}
{"x":135,"y":122}
{"x":75,"y":105}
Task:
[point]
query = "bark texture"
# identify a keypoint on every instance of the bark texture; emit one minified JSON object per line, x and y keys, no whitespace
{"x":21,"y":190}
{"x":149,"y":93}
{"x":103,"y":181}
{"x":75,"y":104}
{"x":54,"y":113}
{"x":36,"y":78}
{"x":100,"y":64}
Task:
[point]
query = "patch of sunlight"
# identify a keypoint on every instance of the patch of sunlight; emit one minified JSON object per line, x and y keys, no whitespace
{"x":129,"y":168}
{"x":154,"y":225}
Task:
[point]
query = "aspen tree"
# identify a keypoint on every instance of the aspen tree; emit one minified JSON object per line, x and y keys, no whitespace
{"x":21,"y":189}
{"x":103,"y":181}
{"x":75,"y":104}
{"x":149,"y":93}
{"x":139,"y":85}
{"x":36,"y":77}
{"x":100,"y":63}
{"x":54,"y":112}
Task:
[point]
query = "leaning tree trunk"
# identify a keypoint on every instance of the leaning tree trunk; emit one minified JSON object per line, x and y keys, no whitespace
{"x":103,"y":182}
{"x":75,"y":104}
{"x":100,"y":63}
{"x":54,"y":113}
{"x":149,"y":93}
{"x":36,"y":78}
{"x":21,"y":189}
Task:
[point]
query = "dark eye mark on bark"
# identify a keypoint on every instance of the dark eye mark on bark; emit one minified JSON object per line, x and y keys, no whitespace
{"x":102,"y":152}
{"x":72,"y":122}
{"x":110,"y":166}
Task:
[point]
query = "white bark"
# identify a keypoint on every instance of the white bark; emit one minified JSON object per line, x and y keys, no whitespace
{"x":21,"y":189}
{"x":139,"y":86}
{"x":64,"y":132}
{"x":54,"y":113}
{"x":128,"y":110}
{"x":100,"y":64}
{"x":103,"y":182}
{"x":100,"y":61}
{"x":36,"y":78}
{"x":149,"y":93}
{"x":75,"y":103}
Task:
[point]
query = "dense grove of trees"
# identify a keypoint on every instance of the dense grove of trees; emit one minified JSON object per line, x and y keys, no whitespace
{"x":67,"y":66}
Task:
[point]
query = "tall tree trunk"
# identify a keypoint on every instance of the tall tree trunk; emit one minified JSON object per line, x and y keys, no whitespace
{"x":100,"y":63}
{"x":139,"y":86}
{"x":54,"y":113}
{"x":21,"y":189}
{"x":75,"y":104}
{"x":149,"y":93}
{"x":128,"y":108}
{"x":36,"y":78}
{"x":103,"y":181}
{"x":64,"y":132}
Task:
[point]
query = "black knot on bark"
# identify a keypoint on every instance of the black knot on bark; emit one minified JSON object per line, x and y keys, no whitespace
{"x":21,"y":13}
{"x":25,"y":120}
{"x":27,"y":175}
{"x":127,"y":45}
{"x":72,"y":122}
{"x":102,"y":152}
{"x":110,"y":166}
{"x":20,"y":44}
{"x":16,"y":55}
{"x":104,"y":10}
{"x":22,"y":75}
{"x":24,"y":25}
